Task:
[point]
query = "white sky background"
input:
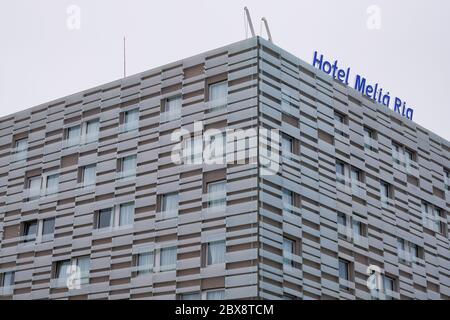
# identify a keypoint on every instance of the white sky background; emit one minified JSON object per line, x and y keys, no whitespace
{"x":41,"y":59}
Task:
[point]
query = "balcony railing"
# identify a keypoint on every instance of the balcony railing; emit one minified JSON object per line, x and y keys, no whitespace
{"x":217,"y":104}
{"x":167,"y":214}
{"x":350,"y":235}
{"x":126,"y":175}
{"x":170,"y":115}
{"x":6,"y":290}
{"x":370,"y":144}
{"x":129,"y":126}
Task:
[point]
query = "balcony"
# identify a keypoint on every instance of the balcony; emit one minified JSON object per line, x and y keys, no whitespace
{"x":341,"y":128}
{"x":289,"y":108}
{"x":431,"y":221}
{"x":384,"y":294}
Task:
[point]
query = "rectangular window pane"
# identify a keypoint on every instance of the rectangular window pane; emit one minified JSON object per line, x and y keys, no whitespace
{"x":216,"y":252}
{"x":168,"y":258}
{"x":131,"y":120}
{"x":215,"y":295}
{"x":145,"y":262}
{"x":92,"y":129}
{"x":21,"y":149}
{"x":342,"y":220}
{"x":129,"y":166}
{"x":52,"y":183}
{"x":62,"y":269}
{"x":288,"y":251}
{"x":217,"y":194}
{"x":170,"y":202}
{"x":126,"y":214}
{"x":190,"y":296}
{"x":34,"y":187}
{"x":89,"y":175}
{"x":343,"y":270}
{"x":286,"y":144}
{"x":104,"y":219}
{"x":48,"y":226}
{"x":30,"y":228}
{"x":83,"y":264}
{"x":8,"y":279}
{"x":218,"y":91}
{"x":73,"y":136}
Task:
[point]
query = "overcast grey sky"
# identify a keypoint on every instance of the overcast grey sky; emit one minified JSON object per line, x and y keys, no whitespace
{"x":41,"y":59}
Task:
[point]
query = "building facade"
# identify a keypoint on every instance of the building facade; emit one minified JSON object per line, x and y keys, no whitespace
{"x":94,"y":205}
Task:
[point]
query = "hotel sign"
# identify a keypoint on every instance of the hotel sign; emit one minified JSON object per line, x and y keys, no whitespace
{"x":373,"y":91}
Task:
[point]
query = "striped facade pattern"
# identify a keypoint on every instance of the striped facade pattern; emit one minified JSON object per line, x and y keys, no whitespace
{"x":274,"y":249}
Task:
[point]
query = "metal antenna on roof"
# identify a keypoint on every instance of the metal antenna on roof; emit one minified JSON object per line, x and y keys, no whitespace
{"x":266,"y":24}
{"x":249,"y":21}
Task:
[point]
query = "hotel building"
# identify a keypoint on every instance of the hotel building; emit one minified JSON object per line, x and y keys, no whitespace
{"x":92,"y":205}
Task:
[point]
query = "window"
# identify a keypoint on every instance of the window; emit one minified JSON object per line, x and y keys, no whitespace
{"x":356,"y":175}
{"x":386,"y":192}
{"x":34,"y":187}
{"x":369,"y":139}
{"x":288,"y":199}
{"x":21,"y":147}
{"x":30,"y":230}
{"x":340,"y":124}
{"x":193,"y":150}
{"x":342,"y":219}
{"x":434,"y":218}
{"x":168,"y":258}
{"x":130,"y":120}
{"x":403,"y":156}
{"x":169,"y":205}
{"x":217,"y":194}
{"x":215,"y":295}
{"x":408,"y":252}
{"x":128,"y":167}
{"x":91,"y":131}
{"x":189,"y":296}
{"x":215,"y":148}
{"x":88,"y":175}
{"x":288,"y":251}
{"x":447,"y":180}
{"x":340,"y":172}
{"x":7,"y":282}
{"x":77,"y":268}
{"x":288,"y":102}
{"x":389,"y":286}
{"x":73,"y":136}
{"x":344,"y":270}
{"x":38,"y":230}
{"x":172,"y":109}
{"x":144,"y":262}
{"x":62,"y":269}
{"x":287,"y":144}
{"x":104,"y":219}
{"x":51,"y":184}
{"x":126,"y":215}
{"x":215,"y":252}
{"x":119,"y":216}
{"x":218,"y":95}
{"x":48,"y":227}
